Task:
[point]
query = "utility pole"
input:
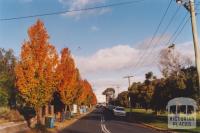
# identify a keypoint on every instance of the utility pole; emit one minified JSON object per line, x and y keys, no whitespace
{"x":129,"y":79}
{"x":129,"y":84}
{"x":117,"y":89}
{"x":190,"y":6}
{"x":117,"y":92}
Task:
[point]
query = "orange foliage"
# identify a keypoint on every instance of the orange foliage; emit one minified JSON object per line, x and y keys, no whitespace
{"x":39,"y":72}
{"x":87,"y":96}
{"x":67,"y":77}
{"x":94,"y":99}
{"x":35,"y":71}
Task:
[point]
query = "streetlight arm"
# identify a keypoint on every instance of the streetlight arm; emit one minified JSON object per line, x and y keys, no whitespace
{"x":185,"y":4}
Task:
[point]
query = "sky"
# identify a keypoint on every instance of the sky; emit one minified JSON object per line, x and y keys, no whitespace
{"x":106,"y":43}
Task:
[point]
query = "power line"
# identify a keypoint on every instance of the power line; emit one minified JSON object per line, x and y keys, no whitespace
{"x":164,"y":32}
{"x":179,"y":33}
{"x":176,"y":33}
{"x":75,"y":10}
{"x":155,"y":33}
{"x":170,"y":22}
{"x":181,"y":30}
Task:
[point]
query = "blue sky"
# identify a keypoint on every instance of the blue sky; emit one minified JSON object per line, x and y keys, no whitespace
{"x":98,"y":33}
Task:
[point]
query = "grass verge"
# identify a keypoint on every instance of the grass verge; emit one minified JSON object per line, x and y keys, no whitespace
{"x":160,"y":121}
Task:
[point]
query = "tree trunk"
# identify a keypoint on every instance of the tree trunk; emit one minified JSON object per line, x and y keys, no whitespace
{"x":38,"y":115}
{"x":52,"y":110}
{"x":78,"y":110}
{"x":65,"y":110}
{"x":46,"y":110}
{"x":69,"y":108}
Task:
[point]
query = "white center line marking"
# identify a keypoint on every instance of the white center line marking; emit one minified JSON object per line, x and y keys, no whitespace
{"x":103,"y":126}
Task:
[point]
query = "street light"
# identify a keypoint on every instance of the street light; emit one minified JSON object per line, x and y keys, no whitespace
{"x":185,"y":3}
{"x":189,"y":5}
{"x":179,"y":1}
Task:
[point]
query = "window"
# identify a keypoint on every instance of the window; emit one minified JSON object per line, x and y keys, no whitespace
{"x":120,"y":109}
{"x":173,"y":109}
{"x":181,"y":109}
{"x":190,"y":109}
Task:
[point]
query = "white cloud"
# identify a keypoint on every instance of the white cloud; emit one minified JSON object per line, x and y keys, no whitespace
{"x":106,"y":67}
{"x":80,"y":4}
{"x":94,"y":28}
{"x":187,"y":49}
{"x":108,"y":59}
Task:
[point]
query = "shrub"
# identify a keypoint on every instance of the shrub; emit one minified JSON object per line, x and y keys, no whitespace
{"x":3,"y":98}
{"x":3,"y":111}
{"x":14,"y":115}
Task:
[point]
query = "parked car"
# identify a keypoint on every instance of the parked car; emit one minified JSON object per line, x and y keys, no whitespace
{"x":119,"y":111}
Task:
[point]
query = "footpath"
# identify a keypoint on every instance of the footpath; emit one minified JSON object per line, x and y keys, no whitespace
{"x":14,"y":127}
{"x":59,"y":126}
{"x":22,"y":127}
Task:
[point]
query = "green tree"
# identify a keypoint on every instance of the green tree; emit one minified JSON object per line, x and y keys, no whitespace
{"x":7,"y":77}
{"x":134,"y":93}
{"x":160,"y":96}
{"x":3,"y":98}
{"x":148,"y":90}
{"x":191,"y":82}
{"x":123,"y":99}
{"x":109,"y":93}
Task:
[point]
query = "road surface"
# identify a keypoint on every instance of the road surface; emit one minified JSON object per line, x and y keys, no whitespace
{"x":103,"y":122}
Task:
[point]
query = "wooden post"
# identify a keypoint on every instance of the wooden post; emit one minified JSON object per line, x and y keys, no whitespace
{"x":46,"y":110}
{"x":52,"y":110}
{"x":41,"y":116}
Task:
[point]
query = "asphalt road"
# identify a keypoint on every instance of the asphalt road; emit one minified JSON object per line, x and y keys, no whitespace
{"x":104,"y":122}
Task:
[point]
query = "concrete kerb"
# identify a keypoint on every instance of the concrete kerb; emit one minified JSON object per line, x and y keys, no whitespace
{"x":72,"y":121}
{"x":156,"y":128}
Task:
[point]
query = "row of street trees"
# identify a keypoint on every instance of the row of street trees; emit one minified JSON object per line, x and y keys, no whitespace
{"x":179,"y":79}
{"x":40,"y":72}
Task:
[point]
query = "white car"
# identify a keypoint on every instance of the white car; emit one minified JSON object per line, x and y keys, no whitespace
{"x":119,"y":111}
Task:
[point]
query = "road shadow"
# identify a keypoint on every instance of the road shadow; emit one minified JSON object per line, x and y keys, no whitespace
{"x":71,"y":131}
{"x":76,"y":127}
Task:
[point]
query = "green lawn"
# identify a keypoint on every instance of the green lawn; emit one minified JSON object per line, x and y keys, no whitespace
{"x":149,"y":117}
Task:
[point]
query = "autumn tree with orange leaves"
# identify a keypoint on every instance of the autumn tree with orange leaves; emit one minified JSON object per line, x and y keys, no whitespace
{"x":35,"y":71}
{"x":68,"y":77}
{"x":87,"y":96}
{"x":71,"y":88}
{"x":78,"y":90}
{"x":94,"y":99}
{"x":40,"y":73}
